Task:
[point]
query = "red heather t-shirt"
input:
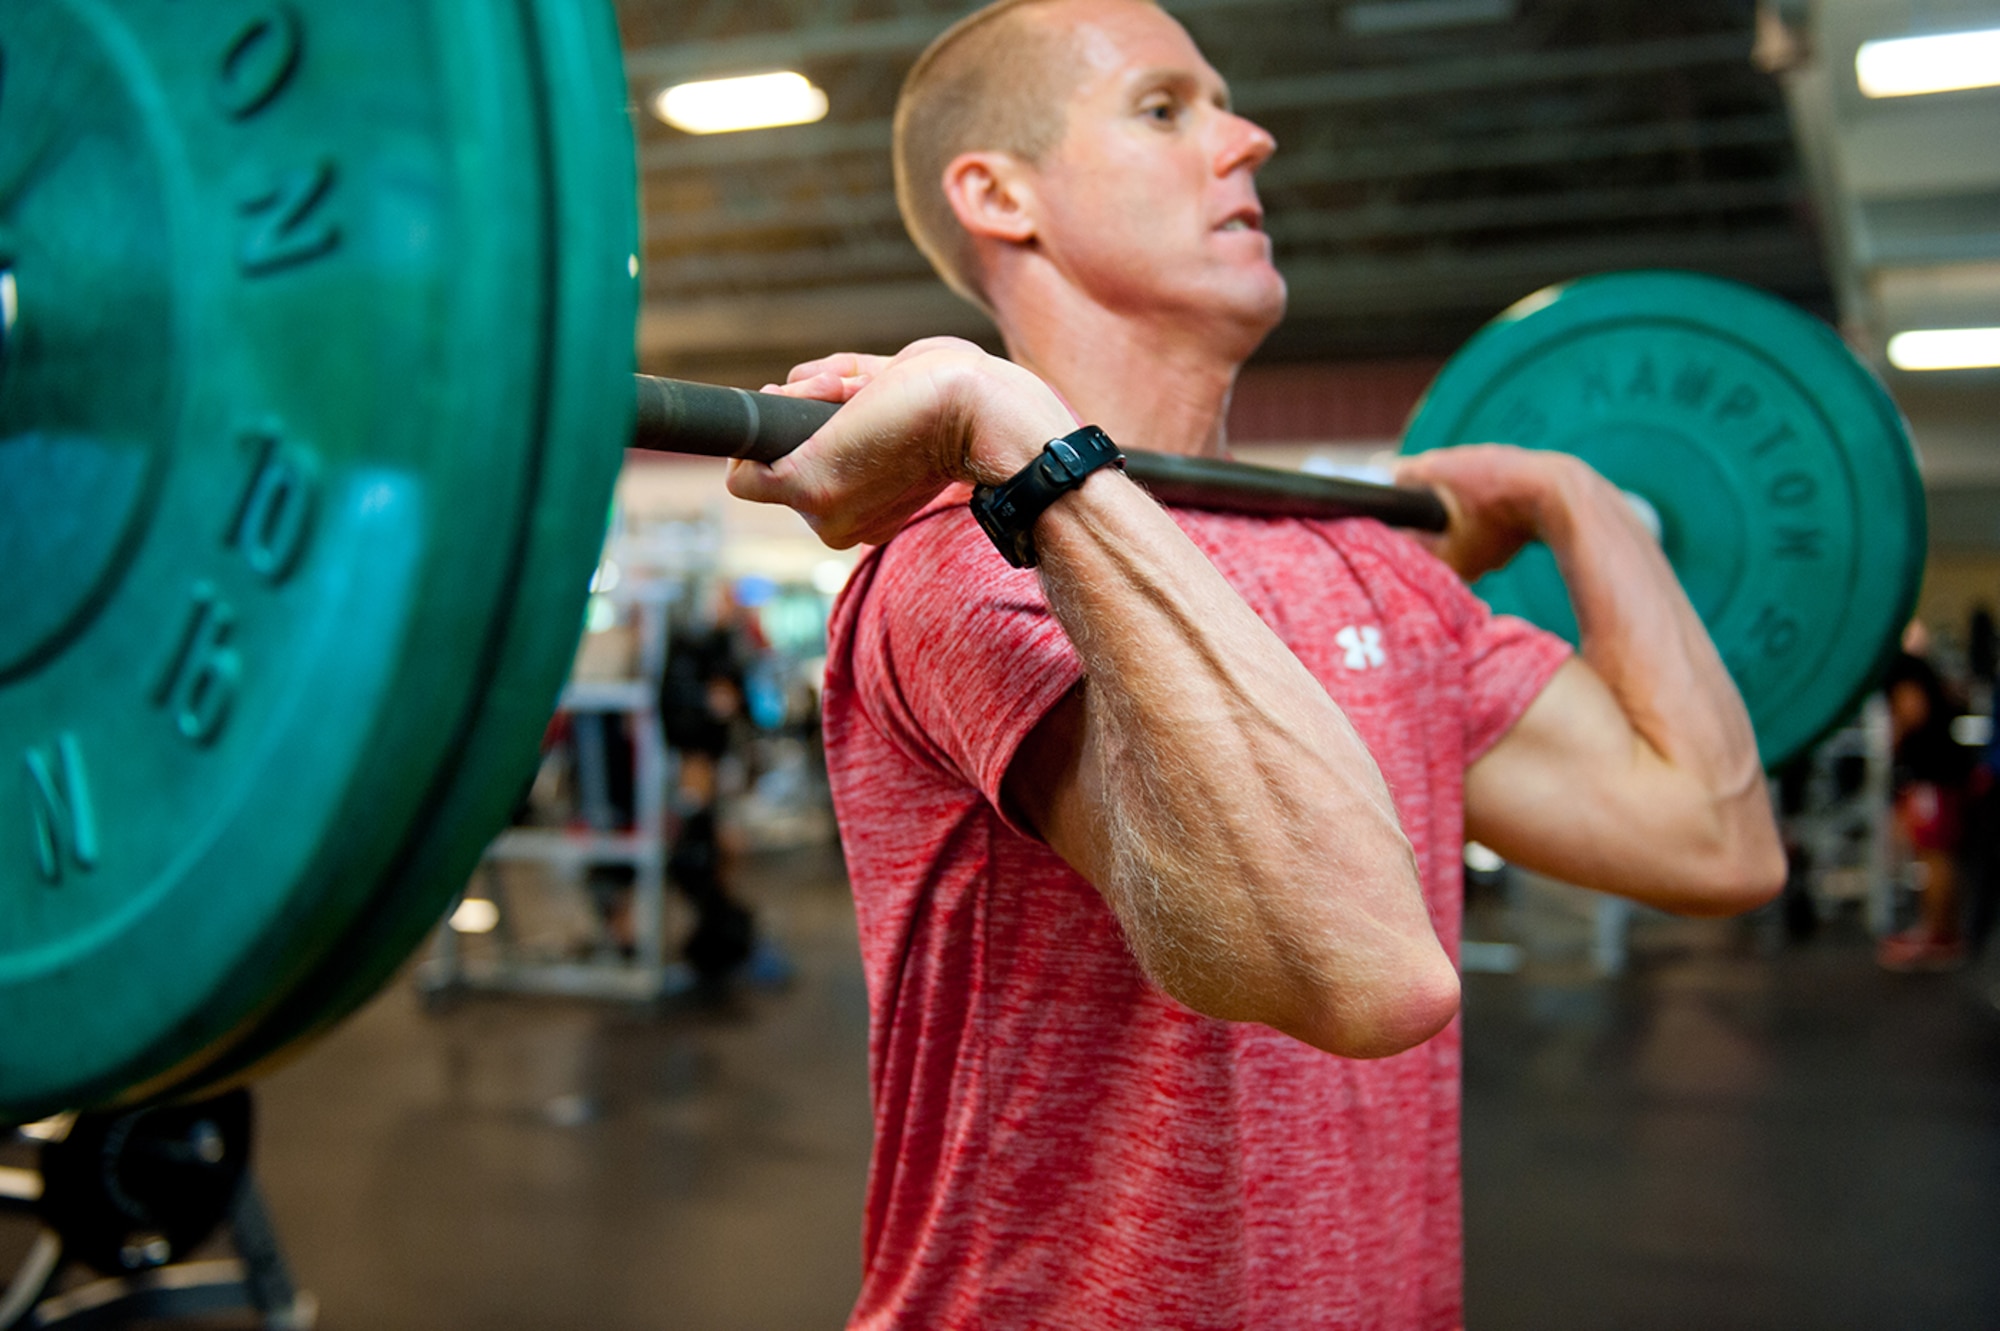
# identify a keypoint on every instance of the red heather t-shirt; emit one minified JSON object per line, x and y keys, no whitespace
{"x":1057,"y":1143}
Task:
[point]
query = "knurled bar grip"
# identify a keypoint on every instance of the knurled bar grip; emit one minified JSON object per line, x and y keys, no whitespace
{"x":680,"y":417}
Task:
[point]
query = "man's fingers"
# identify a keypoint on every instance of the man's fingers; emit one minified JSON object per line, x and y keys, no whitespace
{"x":793,"y":481}
{"x":787,"y":481}
{"x":925,"y":345}
{"x":826,"y":386}
{"x":841,"y":365}
{"x":1418,"y":470}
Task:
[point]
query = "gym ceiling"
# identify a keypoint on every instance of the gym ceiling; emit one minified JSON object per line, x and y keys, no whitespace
{"x":1438,"y":159}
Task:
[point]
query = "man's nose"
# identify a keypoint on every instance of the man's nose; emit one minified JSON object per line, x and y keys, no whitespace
{"x":1245,"y":145}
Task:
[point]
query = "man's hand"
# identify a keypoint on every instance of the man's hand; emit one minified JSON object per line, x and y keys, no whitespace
{"x":938,"y":413}
{"x":1497,"y":497}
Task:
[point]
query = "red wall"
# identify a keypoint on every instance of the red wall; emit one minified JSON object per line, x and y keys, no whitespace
{"x":1347,"y":401}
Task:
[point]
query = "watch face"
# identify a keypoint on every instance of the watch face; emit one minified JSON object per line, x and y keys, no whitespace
{"x":1007,"y":512}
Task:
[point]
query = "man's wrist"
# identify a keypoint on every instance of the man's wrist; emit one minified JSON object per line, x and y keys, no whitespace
{"x":1568,"y":486}
{"x":1005,"y":414}
{"x":1009,"y":511}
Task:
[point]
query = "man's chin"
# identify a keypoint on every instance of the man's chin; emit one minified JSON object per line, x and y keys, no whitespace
{"x":1258,"y":305}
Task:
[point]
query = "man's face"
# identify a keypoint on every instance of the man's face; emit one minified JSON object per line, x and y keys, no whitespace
{"x":1147,"y":202}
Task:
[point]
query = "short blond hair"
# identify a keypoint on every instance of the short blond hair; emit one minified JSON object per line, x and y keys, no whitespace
{"x":993,"y":81}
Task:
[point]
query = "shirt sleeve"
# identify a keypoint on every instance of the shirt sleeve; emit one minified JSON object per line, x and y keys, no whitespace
{"x":958,"y":655}
{"x":1506,"y":660}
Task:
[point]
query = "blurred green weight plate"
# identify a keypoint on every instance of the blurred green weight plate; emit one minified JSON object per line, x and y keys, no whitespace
{"x":1782,"y":474}
{"x":583,"y":408}
{"x":274,"y":422}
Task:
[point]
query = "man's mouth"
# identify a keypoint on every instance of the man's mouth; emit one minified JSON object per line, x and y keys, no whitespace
{"x":1242,"y":222}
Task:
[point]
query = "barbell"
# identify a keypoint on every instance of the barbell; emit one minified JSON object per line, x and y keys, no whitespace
{"x":316,"y":365}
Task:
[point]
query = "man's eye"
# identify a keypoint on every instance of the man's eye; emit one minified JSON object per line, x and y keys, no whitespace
{"x":1164,"y":111}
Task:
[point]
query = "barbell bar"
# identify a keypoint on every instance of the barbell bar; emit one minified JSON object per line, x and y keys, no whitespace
{"x":316,"y":369}
{"x":676,"y":416}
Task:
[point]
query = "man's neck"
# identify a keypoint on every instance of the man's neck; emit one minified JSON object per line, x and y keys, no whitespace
{"x":1152,"y":384}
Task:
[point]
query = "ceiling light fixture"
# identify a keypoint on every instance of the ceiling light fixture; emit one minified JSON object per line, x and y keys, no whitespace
{"x":1946,"y":349}
{"x":754,"y":101}
{"x":1944,"y":62}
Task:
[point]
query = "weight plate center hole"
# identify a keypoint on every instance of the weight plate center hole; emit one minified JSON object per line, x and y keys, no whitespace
{"x":92,"y":358}
{"x":1649,"y":517}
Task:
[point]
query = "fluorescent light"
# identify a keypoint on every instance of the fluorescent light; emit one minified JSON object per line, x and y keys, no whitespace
{"x":475,"y":915}
{"x":1946,"y":62}
{"x":1946,"y":349}
{"x":755,"y":101}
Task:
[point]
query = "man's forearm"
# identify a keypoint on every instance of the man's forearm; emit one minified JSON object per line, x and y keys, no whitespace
{"x":1229,"y":813}
{"x":1642,"y":637}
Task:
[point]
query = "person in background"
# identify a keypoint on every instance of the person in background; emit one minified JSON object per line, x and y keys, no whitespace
{"x":701,"y":701}
{"x":1929,"y":788}
{"x":1979,"y":851}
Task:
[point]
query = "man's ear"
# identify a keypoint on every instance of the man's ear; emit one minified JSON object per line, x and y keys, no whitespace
{"x":991,"y":195}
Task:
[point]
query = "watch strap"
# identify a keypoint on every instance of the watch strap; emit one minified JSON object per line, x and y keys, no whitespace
{"x":1007,"y":511}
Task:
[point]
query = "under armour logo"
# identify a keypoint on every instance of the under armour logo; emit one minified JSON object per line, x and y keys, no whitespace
{"x":1363,"y":647}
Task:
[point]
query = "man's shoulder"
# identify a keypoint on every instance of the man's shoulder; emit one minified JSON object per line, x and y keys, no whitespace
{"x":1286,"y":551}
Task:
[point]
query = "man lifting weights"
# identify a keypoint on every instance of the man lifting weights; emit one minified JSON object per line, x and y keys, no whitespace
{"x":1155,"y":845}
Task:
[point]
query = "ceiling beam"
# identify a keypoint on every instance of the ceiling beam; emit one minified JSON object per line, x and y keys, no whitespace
{"x":898,"y":36}
{"x":1432,"y":156}
{"x":1549,"y":208}
{"x":831,"y":212}
{"x":1492,"y":70}
{"x":805,"y":143}
{"x":653,"y":67}
{"x":868,"y":260}
{"x":1374,"y":161}
{"x":1773,"y":257}
{"x":851,"y":213}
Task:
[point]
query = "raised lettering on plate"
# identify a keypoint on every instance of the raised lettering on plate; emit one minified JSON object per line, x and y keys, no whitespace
{"x":60,"y":806}
{"x":257,"y":63}
{"x":1775,"y":631}
{"x":199,"y":684}
{"x":273,"y":519}
{"x":1793,"y":488}
{"x":1740,"y":402}
{"x":287,"y":224}
{"x":1691,"y":385}
{"x":1799,"y":542}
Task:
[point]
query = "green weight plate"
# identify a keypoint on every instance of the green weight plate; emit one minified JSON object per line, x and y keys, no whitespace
{"x":265,"y":484}
{"x":585,"y":412}
{"x":1788,"y":497}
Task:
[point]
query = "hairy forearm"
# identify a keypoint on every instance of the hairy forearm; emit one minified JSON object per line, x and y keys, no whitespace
{"x":1642,"y":637}
{"x":1234,"y":821}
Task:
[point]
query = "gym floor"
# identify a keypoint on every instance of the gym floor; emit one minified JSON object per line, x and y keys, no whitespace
{"x":1740,"y":1132}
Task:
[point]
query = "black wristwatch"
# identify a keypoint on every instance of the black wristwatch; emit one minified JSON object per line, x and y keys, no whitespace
{"x":1007,"y":511}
